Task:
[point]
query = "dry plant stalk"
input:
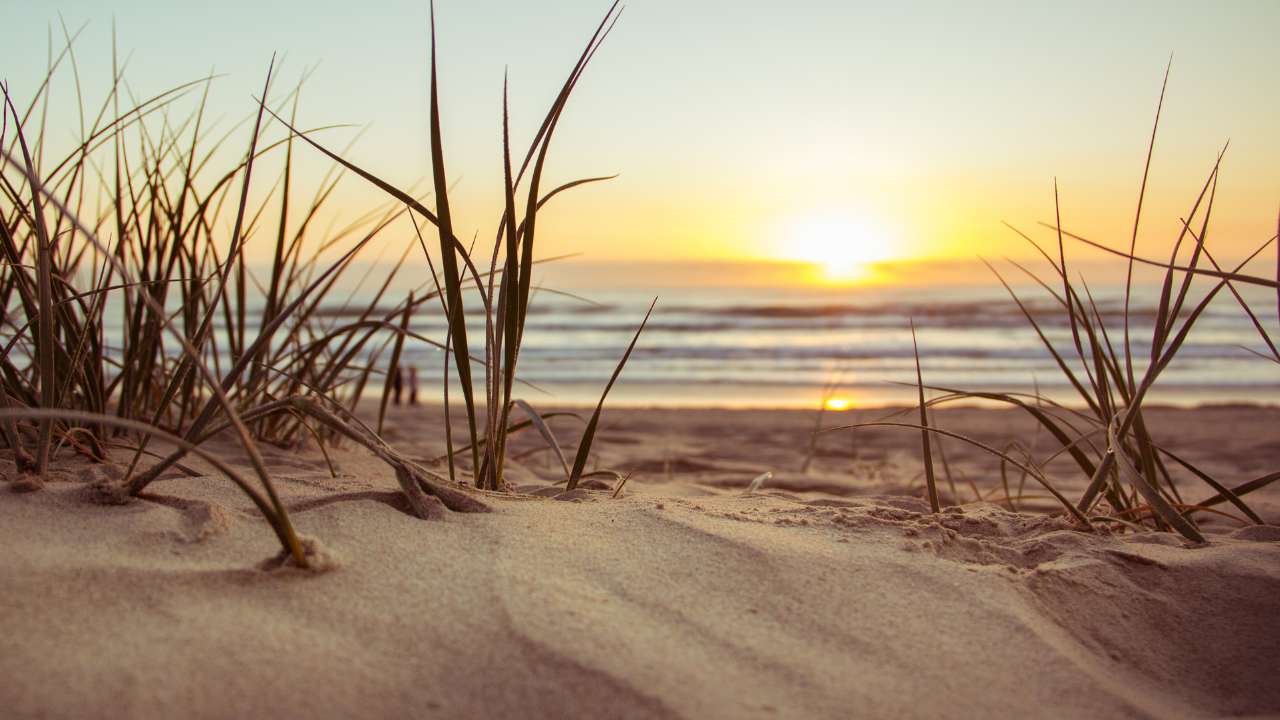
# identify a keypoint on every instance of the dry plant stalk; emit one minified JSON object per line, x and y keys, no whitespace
{"x":208,"y":346}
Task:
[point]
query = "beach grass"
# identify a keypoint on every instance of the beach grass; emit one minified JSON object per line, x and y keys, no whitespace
{"x":206,"y":346}
{"x":1105,"y":435}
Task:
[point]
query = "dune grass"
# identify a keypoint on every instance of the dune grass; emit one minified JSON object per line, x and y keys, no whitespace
{"x":136,"y":318}
{"x":1108,"y":439}
{"x":202,"y":345}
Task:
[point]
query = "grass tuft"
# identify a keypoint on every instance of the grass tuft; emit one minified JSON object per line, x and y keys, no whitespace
{"x":136,"y":318}
{"x":1108,"y":441}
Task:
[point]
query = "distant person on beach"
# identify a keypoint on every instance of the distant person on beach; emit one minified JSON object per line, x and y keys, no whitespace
{"x":413,"y":385}
{"x":397,"y":384}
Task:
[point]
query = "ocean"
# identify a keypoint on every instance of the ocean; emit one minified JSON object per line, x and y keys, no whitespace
{"x":784,"y":347}
{"x":728,"y":346}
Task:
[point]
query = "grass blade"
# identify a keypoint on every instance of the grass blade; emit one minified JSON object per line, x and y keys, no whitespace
{"x":545,"y":431}
{"x":588,"y":435}
{"x":393,"y":367}
{"x":449,"y":256}
{"x":44,"y":284}
{"x":925,"y":446}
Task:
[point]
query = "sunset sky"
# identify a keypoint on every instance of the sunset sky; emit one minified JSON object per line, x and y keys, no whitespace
{"x":756,"y":130}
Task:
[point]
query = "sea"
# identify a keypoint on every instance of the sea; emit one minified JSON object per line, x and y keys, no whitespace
{"x":721,"y":345}
{"x":797,"y":347}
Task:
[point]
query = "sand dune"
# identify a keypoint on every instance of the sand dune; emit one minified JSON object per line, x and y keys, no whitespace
{"x":683,"y":597}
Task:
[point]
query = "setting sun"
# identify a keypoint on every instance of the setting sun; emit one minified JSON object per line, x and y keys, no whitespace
{"x":844,"y":247}
{"x":838,"y":404}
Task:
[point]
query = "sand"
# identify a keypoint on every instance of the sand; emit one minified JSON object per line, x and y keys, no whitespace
{"x":826,"y":593}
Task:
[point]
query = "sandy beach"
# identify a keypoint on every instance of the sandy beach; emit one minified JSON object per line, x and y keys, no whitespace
{"x":831,"y":592}
{"x":525,"y":360}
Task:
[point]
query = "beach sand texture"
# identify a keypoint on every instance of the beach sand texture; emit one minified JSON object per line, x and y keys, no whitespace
{"x":826,"y":593}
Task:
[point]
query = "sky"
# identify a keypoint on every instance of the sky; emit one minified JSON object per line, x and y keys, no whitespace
{"x":851,"y":131}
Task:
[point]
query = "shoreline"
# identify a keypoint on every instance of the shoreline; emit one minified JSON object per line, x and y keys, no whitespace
{"x":372,"y":404}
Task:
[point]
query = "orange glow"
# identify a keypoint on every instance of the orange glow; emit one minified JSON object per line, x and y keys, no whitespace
{"x":838,"y":404}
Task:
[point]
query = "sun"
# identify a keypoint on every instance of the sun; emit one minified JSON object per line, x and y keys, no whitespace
{"x":837,"y":404}
{"x":844,"y":247}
